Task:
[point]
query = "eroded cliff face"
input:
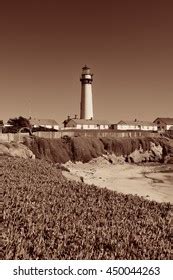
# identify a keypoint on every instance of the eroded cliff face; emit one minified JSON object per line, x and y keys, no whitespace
{"x":86,"y":148}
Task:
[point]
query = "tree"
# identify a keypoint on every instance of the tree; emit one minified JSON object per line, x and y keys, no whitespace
{"x":18,"y":124}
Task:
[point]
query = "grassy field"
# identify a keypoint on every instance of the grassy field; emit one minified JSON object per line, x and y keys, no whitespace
{"x":45,"y":216}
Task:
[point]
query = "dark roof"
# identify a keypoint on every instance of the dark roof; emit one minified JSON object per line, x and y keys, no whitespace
{"x":147,"y":123}
{"x":85,"y":67}
{"x":83,"y":121}
{"x":41,"y":122}
{"x":165,"y":120}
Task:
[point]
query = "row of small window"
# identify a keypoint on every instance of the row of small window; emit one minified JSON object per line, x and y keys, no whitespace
{"x":93,"y":126}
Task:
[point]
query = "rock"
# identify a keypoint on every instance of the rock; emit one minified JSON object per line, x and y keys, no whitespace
{"x":137,"y":156}
{"x":16,"y":150}
{"x":113,"y":159}
{"x":156,"y":150}
{"x":154,"y":154}
{"x":110,"y":160}
{"x":82,"y":179}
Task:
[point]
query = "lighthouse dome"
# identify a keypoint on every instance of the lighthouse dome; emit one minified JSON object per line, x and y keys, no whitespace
{"x":86,"y":70}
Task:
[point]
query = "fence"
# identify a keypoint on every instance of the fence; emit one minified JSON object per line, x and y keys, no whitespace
{"x":18,"y":137}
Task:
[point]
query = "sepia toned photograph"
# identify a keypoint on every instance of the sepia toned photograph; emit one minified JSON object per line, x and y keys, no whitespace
{"x":86,"y":130}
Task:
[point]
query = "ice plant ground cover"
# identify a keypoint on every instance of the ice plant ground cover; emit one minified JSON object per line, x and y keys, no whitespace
{"x":46,"y":216}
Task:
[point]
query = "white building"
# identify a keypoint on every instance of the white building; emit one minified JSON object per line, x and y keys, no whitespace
{"x":45,"y":123}
{"x":86,"y":120}
{"x":164,"y":124}
{"x":86,"y":105}
{"x":85,"y":124}
{"x":136,"y":125}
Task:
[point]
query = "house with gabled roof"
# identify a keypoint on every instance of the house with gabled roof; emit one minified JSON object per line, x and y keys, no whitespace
{"x":136,"y":125}
{"x":164,"y":124}
{"x":75,"y":123}
{"x":44,"y":123}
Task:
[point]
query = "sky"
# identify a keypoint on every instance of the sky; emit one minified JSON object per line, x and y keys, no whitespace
{"x":128,"y":44}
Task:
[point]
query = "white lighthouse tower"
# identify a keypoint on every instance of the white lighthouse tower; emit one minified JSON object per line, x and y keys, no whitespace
{"x":86,"y":106}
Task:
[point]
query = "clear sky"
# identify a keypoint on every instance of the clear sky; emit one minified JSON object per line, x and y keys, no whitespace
{"x":127,"y":43}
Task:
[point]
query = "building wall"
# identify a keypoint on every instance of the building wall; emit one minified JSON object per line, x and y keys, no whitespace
{"x":127,"y":127}
{"x":168,"y":127}
{"x":72,"y":125}
{"x":104,"y":126}
{"x":79,"y":126}
{"x":48,"y":126}
{"x":56,"y":127}
{"x":161,"y":125}
{"x":136,"y":127}
{"x":86,"y":126}
{"x":151,"y":128}
{"x":89,"y":126}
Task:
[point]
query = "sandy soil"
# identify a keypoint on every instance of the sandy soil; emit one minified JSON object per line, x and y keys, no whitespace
{"x":146,"y":181}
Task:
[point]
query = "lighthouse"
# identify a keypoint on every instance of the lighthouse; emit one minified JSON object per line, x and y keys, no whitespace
{"x":86,"y":105}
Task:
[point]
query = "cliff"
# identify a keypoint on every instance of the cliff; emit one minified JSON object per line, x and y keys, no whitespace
{"x":85,"y":148}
